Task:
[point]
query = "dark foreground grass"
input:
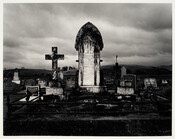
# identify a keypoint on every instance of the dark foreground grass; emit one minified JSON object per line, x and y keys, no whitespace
{"x":89,"y":127}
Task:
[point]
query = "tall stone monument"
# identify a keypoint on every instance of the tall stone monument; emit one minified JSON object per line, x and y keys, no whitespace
{"x":89,"y":43}
{"x":16,"y":77}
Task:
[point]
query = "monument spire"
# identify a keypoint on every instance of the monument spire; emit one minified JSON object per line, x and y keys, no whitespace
{"x":116,"y":58}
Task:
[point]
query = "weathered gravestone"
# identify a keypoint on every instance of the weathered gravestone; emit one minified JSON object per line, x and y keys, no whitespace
{"x":89,"y":43}
{"x":127,"y":84}
{"x":150,"y":83}
{"x":16,"y":77}
{"x":31,"y":92}
{"x":132,"y":78}
{"x":70,"y":79}
{"x":123,"y":71}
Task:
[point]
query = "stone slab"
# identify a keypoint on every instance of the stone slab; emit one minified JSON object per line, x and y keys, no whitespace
{"x":16,"y":81}
{"x":93,"y":89}
{"x":54,"y":91}
{"x":125,"y":91}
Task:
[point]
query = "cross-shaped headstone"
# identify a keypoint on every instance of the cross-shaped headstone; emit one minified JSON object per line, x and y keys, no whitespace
{"x":54,"y":57}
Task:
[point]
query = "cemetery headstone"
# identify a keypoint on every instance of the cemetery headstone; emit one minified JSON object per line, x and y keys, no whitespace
{"x":32,"y":91}
{"x":132,"y":78}
{"x":89,"y":43}
{"x":16,"y":77}
{"x":123,"y":71}
{"x":150,"y":83}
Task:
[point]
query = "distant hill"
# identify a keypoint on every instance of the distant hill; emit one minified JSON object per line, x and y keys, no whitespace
{"x":141,"y":70}
{"x":169,"y":67}
{"x":107,"y":69}
{"x":27,"y":73}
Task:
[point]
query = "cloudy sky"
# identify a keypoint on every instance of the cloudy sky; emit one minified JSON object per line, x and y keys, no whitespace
{"x":138,"y":33}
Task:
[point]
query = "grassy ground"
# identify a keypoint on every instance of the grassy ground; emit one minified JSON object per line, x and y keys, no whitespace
{"x":89,"y":127}
{"x":84,"y":124}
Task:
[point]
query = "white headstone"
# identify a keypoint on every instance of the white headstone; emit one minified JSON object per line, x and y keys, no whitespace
{"x":123,"y":71}
{"x":16,"y":77}
{"x":60,"y":75}
{"x":88,"y":76}
{"x":89,"y":43}
{"x":54,"y":91}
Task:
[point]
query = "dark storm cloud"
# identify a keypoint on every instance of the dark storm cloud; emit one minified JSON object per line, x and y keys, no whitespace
{"x":13,"y":41}
{"x":138,"y":33}
{"x":144,"y":16}
{"x":145,"y":44}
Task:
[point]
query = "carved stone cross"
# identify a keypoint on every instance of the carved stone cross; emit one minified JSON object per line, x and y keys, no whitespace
{"x":54,"y":57}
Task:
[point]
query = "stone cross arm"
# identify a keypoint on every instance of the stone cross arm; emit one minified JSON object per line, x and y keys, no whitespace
{"x":54,"y":57}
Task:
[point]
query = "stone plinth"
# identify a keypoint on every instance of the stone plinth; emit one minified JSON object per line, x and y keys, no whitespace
{"x":53,"y":94}
{"x":54,"y":91}
{"x":16,"y":81}
{"x":125,"y":91}
{"x":93,"y":89}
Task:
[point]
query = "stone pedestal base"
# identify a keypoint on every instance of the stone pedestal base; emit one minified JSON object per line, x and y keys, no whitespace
{"x":53,"y":94}
{"x":54,"y":91}
{"x":16,"y":81}
{"x":92,"y":89}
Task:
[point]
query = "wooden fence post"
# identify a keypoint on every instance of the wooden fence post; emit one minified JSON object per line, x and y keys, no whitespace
{"x":8,"y":105}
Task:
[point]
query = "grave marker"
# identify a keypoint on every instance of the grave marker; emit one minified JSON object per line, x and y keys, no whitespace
{"x":89,"y":43}
{"x":54,"y":57}
{"x":32,"y":90}
{"x":16,"y":77}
